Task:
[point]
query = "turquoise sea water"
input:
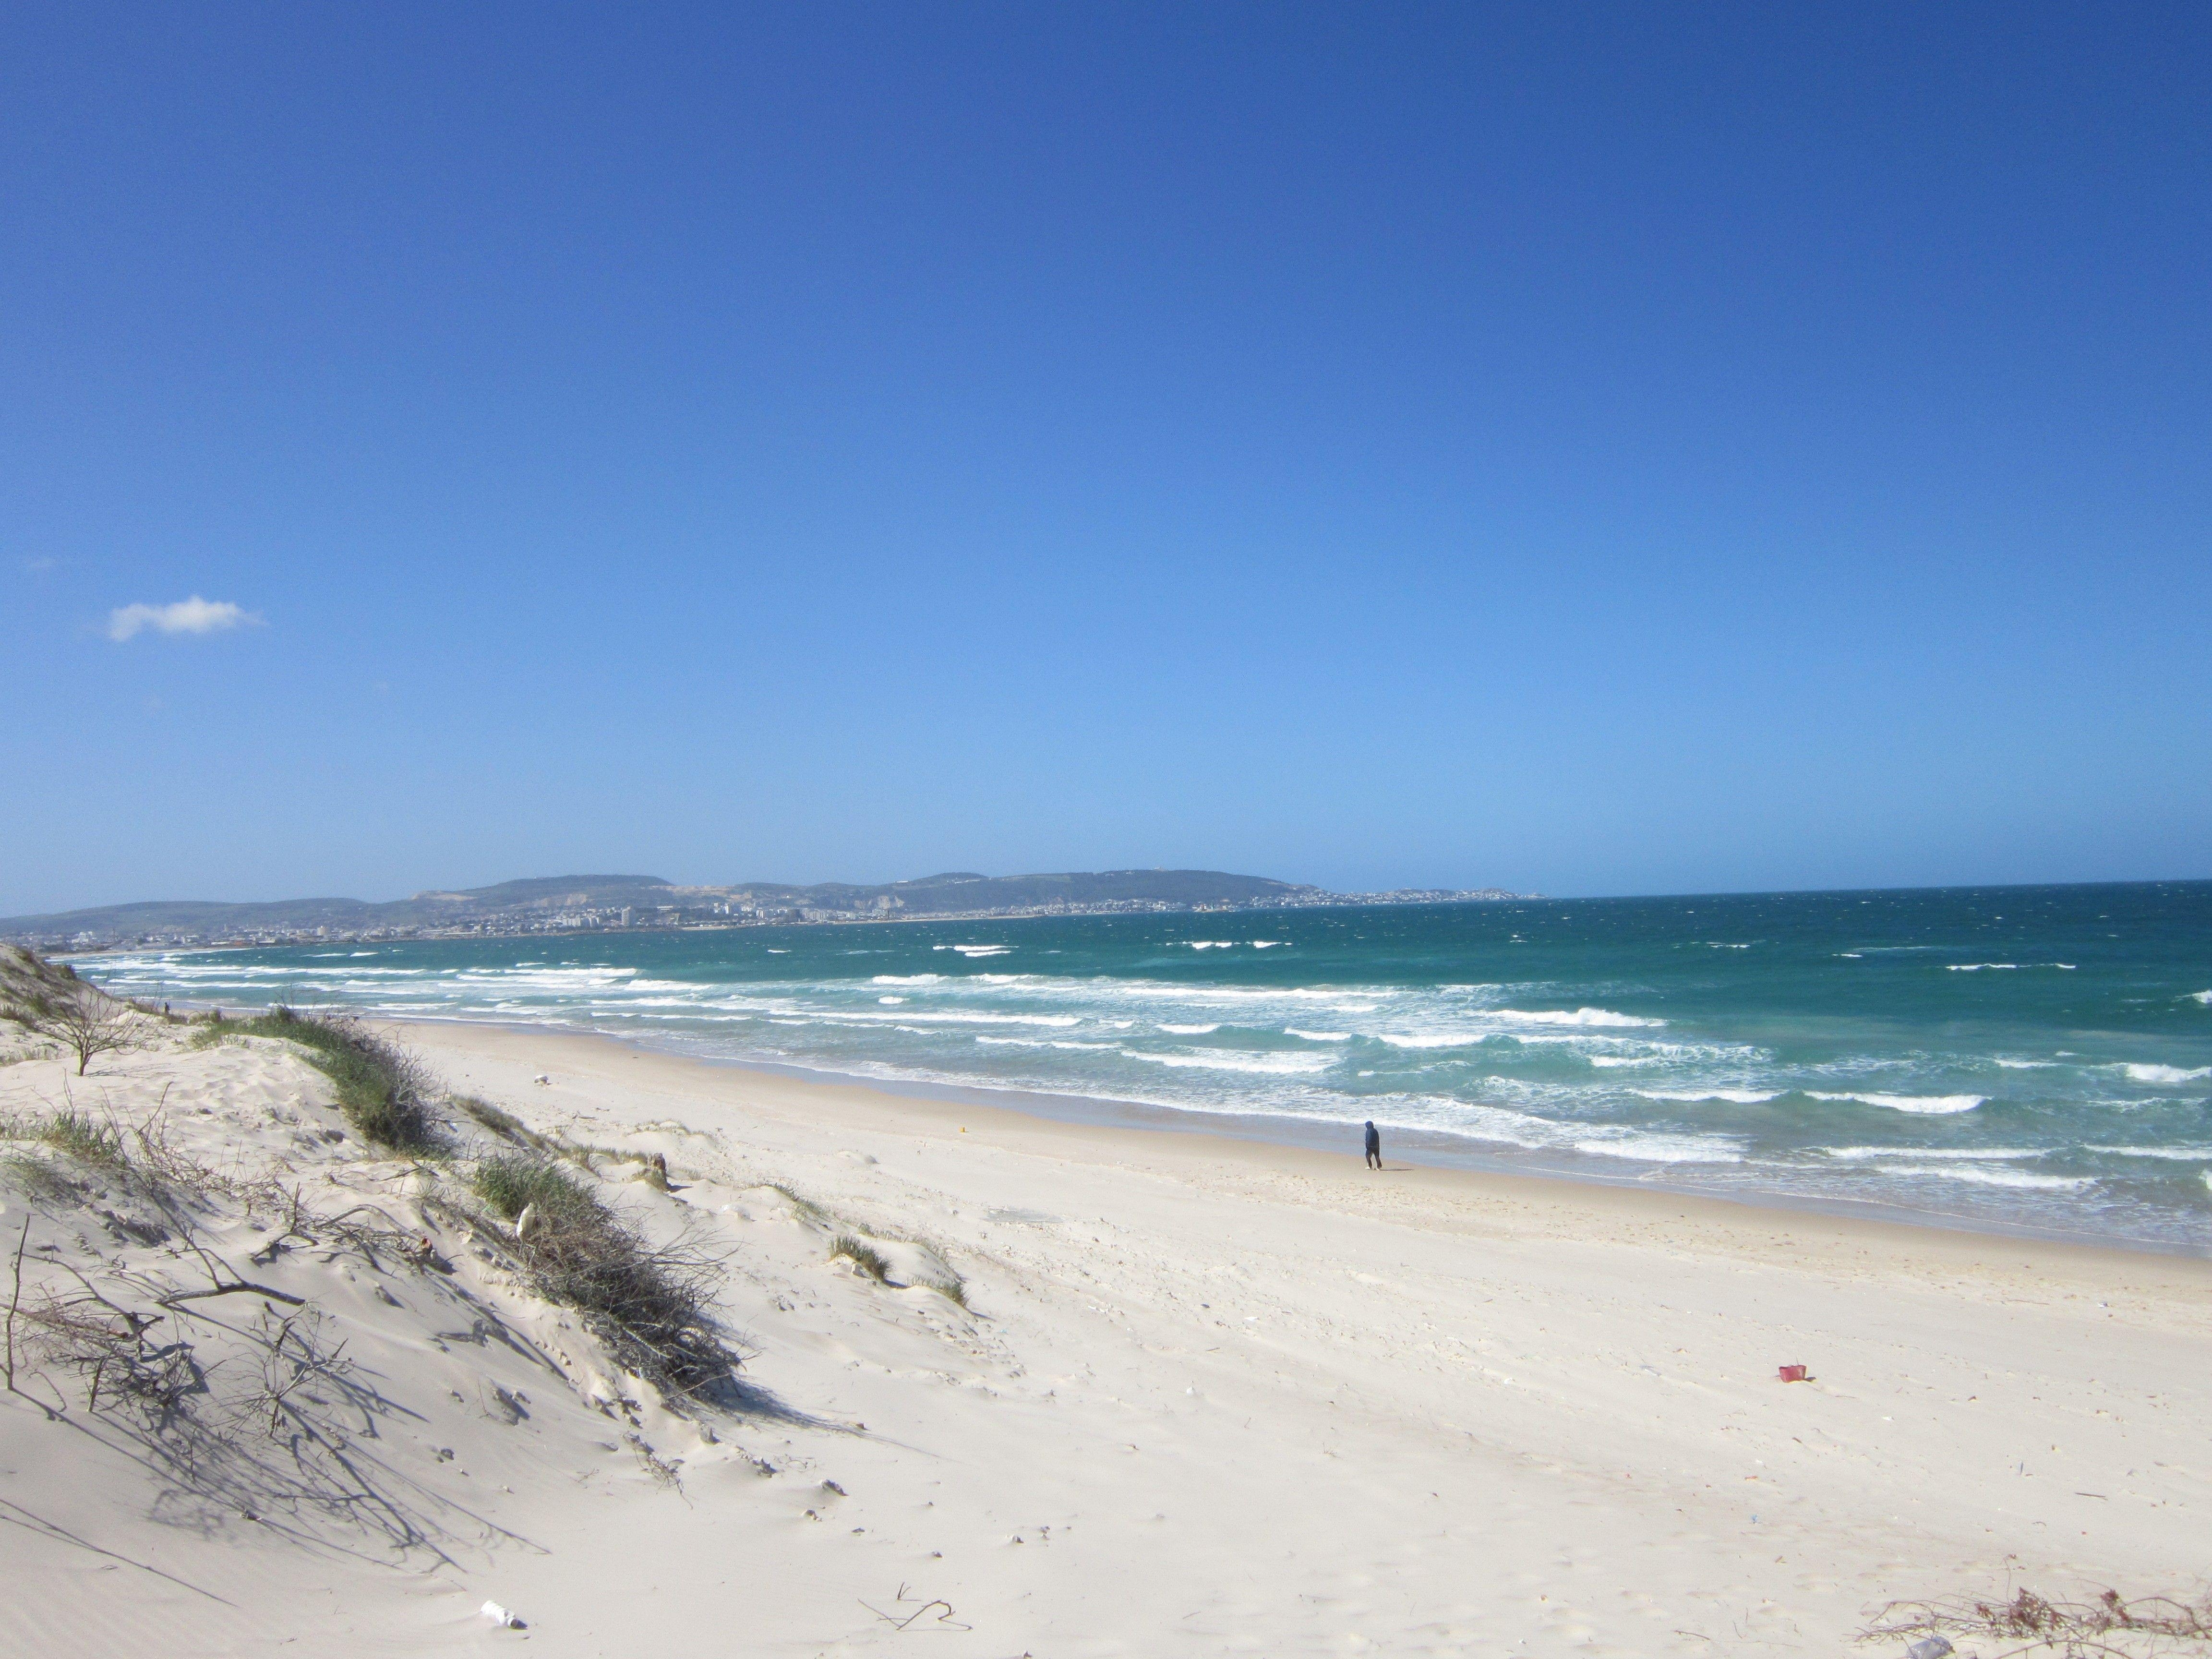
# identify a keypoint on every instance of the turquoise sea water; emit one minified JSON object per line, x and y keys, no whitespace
{"x":2009,"y":1057}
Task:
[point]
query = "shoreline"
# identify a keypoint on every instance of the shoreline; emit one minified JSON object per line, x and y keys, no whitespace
{"x":1005,"y":1366}
{"x":1788,"y":1180}
{"x":875,"y":1104}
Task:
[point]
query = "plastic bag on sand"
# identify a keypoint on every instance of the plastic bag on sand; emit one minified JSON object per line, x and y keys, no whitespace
{"x":500,"y":1616}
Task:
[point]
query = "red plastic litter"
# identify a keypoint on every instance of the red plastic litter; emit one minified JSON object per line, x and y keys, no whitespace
{"x":1793,"y":1373}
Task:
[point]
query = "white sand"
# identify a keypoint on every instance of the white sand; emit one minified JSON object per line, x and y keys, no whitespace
{"x":1207,"y":1397}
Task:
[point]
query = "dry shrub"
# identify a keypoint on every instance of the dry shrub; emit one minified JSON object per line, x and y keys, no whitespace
{"x":2108,"y":1627}
{"x":52,"y":1002}
{"x":651,"y":1305}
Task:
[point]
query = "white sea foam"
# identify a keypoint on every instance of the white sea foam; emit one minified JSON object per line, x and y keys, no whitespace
{"x":1503,"y":1125}
{"x":1041,"y":1042}
{"x":1433,"y":1039}
{"x":2204,"y":996}
{"x":1364,"y":997}
{"x":2166,"y":1073}
{"x":1663,"y":1148}
{"x":908,"y":979}
{"x":890,"y":1002}
{"x":1209,"y":943}
{"x":1223,"y":1060}
{"x":1603,"y":1061}
{"x":1977,"y":1175}
{"x":1190,"y":1030}
{"x":1318,"y":1037}
{"x":1977,"y":967}
{"x":2026,"y":1064}
{"x":1929,"y":1103}
{"x":1733,"y":1097}
{"x":1566,"y":1016}
{"x":967,"y":1016}
{"x":2175,"y":1154}
{"x":1267,"y":944}
{"x":1968,"y":1154}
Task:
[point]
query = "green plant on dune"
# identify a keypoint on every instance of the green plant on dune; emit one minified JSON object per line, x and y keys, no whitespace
{"x":862,"y":1255}
{"x":76,"y":1134}
{"x":505,"y":1125}
{"x":383,"y":1091}
{"x":651,"y":1305}
{"x":511,"y":1184}
{"x":805,"y":1208}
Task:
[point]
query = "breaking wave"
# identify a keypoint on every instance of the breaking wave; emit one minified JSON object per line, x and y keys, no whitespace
{"x":1937,"y":1104}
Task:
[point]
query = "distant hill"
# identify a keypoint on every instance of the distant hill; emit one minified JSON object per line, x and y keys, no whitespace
{"x":304,"y":915}
{"x":962,"y":892}
{"x":566,"y":902}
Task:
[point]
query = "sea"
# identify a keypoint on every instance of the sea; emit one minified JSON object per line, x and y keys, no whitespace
{"x":2013,"y":1059}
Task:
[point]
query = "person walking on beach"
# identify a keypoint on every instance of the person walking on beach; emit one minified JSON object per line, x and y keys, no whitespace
{"x":1374,"y":1145}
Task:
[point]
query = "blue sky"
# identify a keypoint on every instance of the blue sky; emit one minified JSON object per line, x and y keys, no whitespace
{"x":1587,"y":449}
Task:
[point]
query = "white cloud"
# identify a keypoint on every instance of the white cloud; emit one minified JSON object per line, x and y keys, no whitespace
{"x":192,"y":615}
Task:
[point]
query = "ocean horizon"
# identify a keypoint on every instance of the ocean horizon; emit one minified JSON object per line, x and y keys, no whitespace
{"x":2015,"y":1058}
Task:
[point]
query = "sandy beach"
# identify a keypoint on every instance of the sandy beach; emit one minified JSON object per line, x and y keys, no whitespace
{"x":1205,"y":1396}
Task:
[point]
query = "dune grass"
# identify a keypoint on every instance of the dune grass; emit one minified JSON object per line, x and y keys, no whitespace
{"x":77,"y":1134}
{"x":512,"y":1184}
{"x":862,"y":1255}
{"x":383,"y":1091}
{"x":651,"y":1306}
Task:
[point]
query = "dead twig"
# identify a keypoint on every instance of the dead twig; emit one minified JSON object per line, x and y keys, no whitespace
{"x":2109,"y":1627}
{"x":946,"y":1620}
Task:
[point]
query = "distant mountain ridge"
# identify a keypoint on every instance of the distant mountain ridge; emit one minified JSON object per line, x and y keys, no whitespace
{"x":573,"y":903}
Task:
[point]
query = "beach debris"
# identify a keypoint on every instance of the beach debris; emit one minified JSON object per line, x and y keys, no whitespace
{"x":529,"y":1223}
{"x":901,"y":1619}
{"x":668,"y":1472}
{"x":831,"y":1486}
{"x":1930,"y":1647}
{"x":1796,"y":1374}
{"x":541,"y":1077}
{"x":504,"y":1618}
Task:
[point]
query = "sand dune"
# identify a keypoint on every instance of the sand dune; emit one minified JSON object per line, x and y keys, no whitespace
{"x":1203,"y":1397}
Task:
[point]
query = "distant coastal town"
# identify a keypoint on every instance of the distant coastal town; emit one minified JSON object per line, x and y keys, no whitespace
{"x":582,"y":904}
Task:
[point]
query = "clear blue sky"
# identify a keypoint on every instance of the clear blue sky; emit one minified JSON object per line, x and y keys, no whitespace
{"x":1593,"y":449}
